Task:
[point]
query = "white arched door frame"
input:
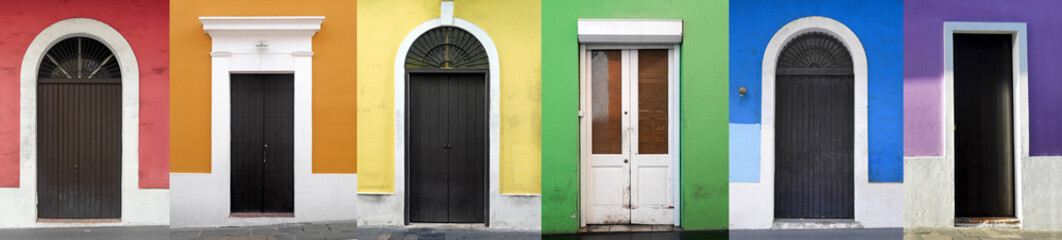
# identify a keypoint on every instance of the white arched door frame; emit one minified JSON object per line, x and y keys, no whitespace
{"x":859,"y":60}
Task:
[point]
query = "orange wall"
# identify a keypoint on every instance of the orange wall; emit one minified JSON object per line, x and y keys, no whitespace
{"x":334,"y":73}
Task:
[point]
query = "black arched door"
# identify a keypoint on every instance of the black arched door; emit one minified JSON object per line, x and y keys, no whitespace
{"x":814,"y":129}
{"x":446,"y":122}
{"x":79,"y":132}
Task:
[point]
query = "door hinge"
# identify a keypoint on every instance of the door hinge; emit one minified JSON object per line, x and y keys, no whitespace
{"x":580,"y":113}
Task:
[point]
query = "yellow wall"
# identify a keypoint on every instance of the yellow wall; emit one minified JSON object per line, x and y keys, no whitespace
{"x":334,"y":101}
{"x":515,"y":27}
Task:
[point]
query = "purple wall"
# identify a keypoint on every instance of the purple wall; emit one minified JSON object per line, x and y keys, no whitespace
{"x":924,"y":68}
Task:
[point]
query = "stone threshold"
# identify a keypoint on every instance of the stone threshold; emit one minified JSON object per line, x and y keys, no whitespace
{"x":261,"y":215}
{"x":993,"y":222}
{"x":804,"y":223}
{"x":612,"y":228}
{"x":64,"y":220}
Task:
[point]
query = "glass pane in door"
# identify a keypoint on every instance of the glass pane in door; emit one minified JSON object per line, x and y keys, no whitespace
{"x":606,"y":101}
{"x":652,"y":101}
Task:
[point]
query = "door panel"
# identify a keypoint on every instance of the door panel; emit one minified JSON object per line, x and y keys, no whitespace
{"x":650,"y":162}
{"x":262,"y":147}
{"x":625,"y":185}
{"x":447,"y":148}
{"x":79,"y":148}
{"x":984,"y":136}
{"x":609,"y":171}
{"x":814,"y":143}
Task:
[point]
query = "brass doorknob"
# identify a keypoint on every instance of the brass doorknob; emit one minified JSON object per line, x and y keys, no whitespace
{"x":625,"y":160}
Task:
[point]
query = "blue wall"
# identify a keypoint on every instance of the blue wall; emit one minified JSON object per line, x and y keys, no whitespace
{"x":879,"y":26}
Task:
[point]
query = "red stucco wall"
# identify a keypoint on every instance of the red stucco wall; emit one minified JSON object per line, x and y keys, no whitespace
{"x":143,"y":23}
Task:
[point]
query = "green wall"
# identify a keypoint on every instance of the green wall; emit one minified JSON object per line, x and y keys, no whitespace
{"x":703,"y":85}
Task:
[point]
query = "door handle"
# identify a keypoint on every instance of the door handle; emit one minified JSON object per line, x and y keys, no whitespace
{"x":625,"y":160}
{"x":75,"y":166}
{"x":447,"y":146}
{"x":265,"y":147}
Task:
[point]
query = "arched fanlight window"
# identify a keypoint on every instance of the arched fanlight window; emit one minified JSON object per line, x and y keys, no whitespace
{"x":79,"y":58}
{"x":447,"y":48}
{"x":815,"y":53}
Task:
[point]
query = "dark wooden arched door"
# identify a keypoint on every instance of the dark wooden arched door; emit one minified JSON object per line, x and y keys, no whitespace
{"x":79,"y":132}
{"x":446,"y":136}
{"x":814,"y":129}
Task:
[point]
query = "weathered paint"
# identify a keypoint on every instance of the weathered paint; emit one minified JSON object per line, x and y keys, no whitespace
{"x":703,"y":86}
{"x":924,"y":69}
{"x":744,"y":152}
{"x":334,"y":72}
{"x":929,"y":174}
{"x":878,"y":24}
{"x":141,"y":23}
{"x":514,"y":27}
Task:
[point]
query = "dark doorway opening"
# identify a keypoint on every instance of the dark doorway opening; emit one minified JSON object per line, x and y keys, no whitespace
{"x":447,"y":147}
{"x":262,"y":144}
{"x":984,"y":132}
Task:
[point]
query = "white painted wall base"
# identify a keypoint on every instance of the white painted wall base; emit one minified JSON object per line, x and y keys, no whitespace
{"x":381,"y":209}
{"x":508,"y":211}
{"x":930,"y":190}
{"x":517,"y":211}
{"x":929,"y":194}
{"x":139,"y":207}
{"x":1042,"y":188}
{"x":202,"y":200}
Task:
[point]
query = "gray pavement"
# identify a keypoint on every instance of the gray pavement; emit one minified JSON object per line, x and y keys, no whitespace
{"x":442,"y":232}
{"x":88,"y":233}
{"x":923,"y":233}
{"x":846,"y":234}
{"x":320,"y":230}
{"x":823,"y":234}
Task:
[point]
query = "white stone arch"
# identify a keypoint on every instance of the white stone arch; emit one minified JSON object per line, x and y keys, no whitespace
{"x":139,"y":206}
{"x":859,"y":60}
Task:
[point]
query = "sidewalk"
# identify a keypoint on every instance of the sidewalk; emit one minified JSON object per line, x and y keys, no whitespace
{"x":924,"y":233}
{"x":845,"y":234}
{"x":89,"y":233}
{"x":329,"y":230}
{"x":442,"y":232}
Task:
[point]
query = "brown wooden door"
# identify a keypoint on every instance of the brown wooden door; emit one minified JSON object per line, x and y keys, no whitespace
{"x":447,"y":148}
{"x":79,"y":148}
{"x":984,"y":132}
{"x":263,"y":173}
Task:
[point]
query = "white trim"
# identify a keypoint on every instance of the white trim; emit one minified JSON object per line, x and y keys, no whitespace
{"x":1020,"y":88}
{"x":203,"y":199}
{"x":673,"y":125}
{"x":649,"y":31}
{"x":876,"y":204}
{"x":139,"y":206}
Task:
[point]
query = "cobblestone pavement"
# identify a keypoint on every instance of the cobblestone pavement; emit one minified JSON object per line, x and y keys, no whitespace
{"x":323,"y":230}
{"x":88,"y":233}
{"x":957,"y":233}
{"x":442,"y":232}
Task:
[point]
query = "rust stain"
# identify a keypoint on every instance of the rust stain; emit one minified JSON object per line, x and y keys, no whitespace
{"x":987,"y":220}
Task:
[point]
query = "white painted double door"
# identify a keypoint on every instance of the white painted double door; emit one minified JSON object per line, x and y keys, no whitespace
{"x":627,"y":136}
